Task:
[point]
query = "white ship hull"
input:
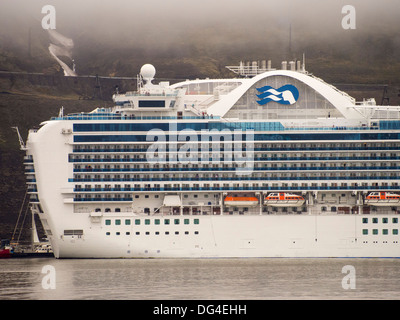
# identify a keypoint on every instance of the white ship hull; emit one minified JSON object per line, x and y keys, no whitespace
{"x":103,"y":188}
{"x":231,"y":236}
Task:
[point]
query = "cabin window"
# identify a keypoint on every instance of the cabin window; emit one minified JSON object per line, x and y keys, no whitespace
{"x":365,"y":231}
{"x":365,"y":220}
{"x":108,"y":222}
{"x":151,"y":104}
{"x":395,"y":220}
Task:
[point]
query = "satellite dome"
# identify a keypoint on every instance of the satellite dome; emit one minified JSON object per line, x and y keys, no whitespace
{"x":148,"y":72}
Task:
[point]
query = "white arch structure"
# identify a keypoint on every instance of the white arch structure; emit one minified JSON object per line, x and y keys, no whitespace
{"x":340,"y":100}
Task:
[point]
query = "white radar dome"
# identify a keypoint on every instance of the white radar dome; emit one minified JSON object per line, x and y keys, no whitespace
{"x":148,"y":72}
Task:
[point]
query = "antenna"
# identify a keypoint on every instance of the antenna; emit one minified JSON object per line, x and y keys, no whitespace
{"x":29,"y":43}
{"x":385,"y":97}
{"x":290,"y":41}
{"x":97,"y":88}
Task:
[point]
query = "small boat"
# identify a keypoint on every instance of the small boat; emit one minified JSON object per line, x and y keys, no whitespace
{"x":44,"y":248}
{"x":283,"y":199}
{"x":241,"y":201}
{"x":381,"y":199}
{"x":5,"y":253}
{"x":5,"y":249}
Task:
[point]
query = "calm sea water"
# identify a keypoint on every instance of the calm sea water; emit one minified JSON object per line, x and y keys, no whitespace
{"x":199,"y":279}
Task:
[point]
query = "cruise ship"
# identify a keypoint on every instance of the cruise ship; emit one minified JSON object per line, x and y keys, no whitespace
{"x":270,"y":163}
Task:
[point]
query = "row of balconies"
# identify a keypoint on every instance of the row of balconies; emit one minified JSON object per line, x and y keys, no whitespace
{"x":273,"y":146}
{"x":328,"y":175}
{"x":200,"y":158}
{"x":254,"y":187}
{"x":232,"y":170}
{"x":129,"y":197}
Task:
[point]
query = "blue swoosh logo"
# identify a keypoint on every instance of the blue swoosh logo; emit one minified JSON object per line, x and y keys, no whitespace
{"x":288,"y":94}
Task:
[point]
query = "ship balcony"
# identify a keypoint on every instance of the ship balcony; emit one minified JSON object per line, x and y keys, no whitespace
{"x":257,"y":148}
{"x":164,"y":94}
{"x":304,"y":177}
{"x":221,"y":159}
{"x":29,"y":170}
{"x":28,"y":160}
{"x":99,"y":199}
{"x":219,"y":169}
{"x":30,"y":180}
{"x":264,"y":188}
{"x":34,"y":198}
{"x":287,"y":177}
{"x":32,"y":189}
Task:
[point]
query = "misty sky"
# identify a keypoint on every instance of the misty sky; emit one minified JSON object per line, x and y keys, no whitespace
{"x":173,"y":27}
{"x":120,"y":17}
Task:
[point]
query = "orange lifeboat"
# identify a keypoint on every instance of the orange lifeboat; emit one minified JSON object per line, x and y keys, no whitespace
{"x":381,"y":199}
{"x":241,"y":201}
{"x":283,"y":199}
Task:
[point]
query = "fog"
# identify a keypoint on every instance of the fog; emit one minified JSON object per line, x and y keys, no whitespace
{"x":164,"y":19}
{"x":172,"y":28}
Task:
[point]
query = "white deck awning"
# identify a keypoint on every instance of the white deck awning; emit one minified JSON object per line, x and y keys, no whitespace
{"x":172,"y":201}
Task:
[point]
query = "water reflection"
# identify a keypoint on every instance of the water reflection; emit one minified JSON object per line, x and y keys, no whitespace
{"x":200,"y":279}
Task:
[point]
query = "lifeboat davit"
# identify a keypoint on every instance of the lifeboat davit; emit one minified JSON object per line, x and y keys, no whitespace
{"x":381,"y":199}
{"x":283,"y":199}
{"x":241,"y":201}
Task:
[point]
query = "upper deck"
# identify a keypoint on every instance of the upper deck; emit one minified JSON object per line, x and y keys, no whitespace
{"x":279,"y":99}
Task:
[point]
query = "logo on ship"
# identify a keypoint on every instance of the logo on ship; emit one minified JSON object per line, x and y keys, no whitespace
{"x":287,"y":94}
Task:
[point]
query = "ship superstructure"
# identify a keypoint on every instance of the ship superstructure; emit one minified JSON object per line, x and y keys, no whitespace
{"x":280,"y":164}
